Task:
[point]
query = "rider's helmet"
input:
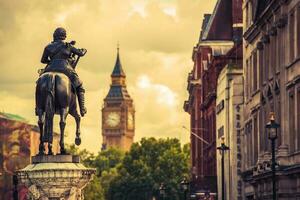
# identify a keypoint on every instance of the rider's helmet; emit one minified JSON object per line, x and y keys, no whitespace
{"x":60,"y":34}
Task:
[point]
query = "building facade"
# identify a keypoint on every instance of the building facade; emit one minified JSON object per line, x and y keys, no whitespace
{"x":118,"y":112}
{"x":229,"y":107}
{"x":219,"y":31}
{"x":18,"y":142}
{"x":272,"y":84}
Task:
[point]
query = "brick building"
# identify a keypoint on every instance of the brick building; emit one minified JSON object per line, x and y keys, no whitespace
{"x":272,"y":84}
{"x":219,"y":31}
{"x":18,"y":142}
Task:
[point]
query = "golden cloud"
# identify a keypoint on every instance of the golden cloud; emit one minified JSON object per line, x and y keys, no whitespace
{"x":156,"y":38}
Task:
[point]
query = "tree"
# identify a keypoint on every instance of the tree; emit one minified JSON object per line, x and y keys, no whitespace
{"x":94,"y":190}
{"x":108,"y":159}
{"x":105,"y":163}
{"x":147,"y":165}
{"x":85,"y":156}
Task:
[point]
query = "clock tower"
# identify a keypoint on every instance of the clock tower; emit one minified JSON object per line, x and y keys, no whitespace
{"x":118,"y":112}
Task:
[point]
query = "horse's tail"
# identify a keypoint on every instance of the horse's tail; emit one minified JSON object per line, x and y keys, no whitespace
{"x":49,"y":109}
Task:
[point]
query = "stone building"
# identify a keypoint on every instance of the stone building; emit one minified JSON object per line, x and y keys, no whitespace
{"x":219,"y":31}
{"x":228,"y":122}
{"x":272,"y":84}
{"x":118,"y":112}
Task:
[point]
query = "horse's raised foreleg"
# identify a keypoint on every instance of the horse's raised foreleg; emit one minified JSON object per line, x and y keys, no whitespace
{"x":41,"y":121}
{"x":62,"y":124}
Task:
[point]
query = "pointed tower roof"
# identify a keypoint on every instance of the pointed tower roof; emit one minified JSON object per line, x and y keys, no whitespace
{"x":118,"y":90}
{"x":118,"y":70}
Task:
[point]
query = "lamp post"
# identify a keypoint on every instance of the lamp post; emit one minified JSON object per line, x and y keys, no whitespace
{"x":162,"y":191}
{"x":185,"y":186}
{"x":15,"y":187}
{"x":272,"y":128}
{"x":222,"y":149}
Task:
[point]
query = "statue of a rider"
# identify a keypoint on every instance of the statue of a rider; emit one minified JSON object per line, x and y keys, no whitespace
{"x":60,"y":57}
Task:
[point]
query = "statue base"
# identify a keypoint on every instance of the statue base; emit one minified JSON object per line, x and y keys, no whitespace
{"x":55,"y":159}
{"x":55,"y":177}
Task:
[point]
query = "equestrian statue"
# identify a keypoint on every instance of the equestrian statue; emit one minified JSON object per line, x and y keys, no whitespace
{"x":57,"y":88}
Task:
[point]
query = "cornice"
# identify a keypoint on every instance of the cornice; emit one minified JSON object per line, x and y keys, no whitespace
{"x":255,"y":28}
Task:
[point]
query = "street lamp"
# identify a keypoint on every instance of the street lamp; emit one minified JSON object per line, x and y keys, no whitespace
{"x":162,"y":190}
{"x":15,"y":187}
{"x":272,"y":128}
{"x":185,"y":186}
{"x":222,"y":149}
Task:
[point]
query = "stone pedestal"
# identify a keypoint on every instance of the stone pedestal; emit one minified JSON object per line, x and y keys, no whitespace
{"x":56,"y":177}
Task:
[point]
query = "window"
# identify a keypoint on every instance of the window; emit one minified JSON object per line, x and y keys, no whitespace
{"x":193,"y":138}
{"x":266,"y":63}
{"x":255,"y":140}
{"x":261,"y":67}
{"x":292,"y":36}
{"x":254,"y":71}
{"x":249,"y":143}
{"x":278,"y":118}
{"x":278,"y":51}
{"x":298,"y":31}
{"x":267,"y":113}
{"x":250,"y":85}
{"x":298,"y":118}
{"x":274,"y":55}
{"x":247,"y":79}
{"x":262,"y":130}
{"x":271,"y":57}
{"x":246,"y":19}
{"x":292,"y":121}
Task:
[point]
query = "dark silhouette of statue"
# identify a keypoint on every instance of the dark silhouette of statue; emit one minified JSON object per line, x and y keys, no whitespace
{"x":56,"y":89}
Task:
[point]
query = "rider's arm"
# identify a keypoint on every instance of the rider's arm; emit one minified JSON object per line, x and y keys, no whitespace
{"x":45,"y":58}
{"x":78,"y":52}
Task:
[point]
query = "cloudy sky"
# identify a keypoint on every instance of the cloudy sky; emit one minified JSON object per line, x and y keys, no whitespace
{"x":156,"y":39}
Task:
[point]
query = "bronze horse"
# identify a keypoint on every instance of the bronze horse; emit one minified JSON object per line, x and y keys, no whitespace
{"x":55,"y":95}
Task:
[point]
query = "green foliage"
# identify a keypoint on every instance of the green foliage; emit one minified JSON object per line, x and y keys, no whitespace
{"x":147,"y":165}
{"x":107,"y":160}
{"x":94,"y":190}
{"x":106,"y":163}
{"x":138,"y":173}
{"x":86,"y":157}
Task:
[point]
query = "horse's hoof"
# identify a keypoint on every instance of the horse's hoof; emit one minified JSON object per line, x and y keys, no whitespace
{"x":63,"y":152}
{"x":78,"y":141}
{"x":50,"y":153}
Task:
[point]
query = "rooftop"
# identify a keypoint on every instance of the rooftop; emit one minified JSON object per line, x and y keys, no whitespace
{"x":13,"y":117}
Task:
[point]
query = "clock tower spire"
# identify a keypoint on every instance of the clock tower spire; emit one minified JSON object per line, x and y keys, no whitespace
{"x":118,"y":111}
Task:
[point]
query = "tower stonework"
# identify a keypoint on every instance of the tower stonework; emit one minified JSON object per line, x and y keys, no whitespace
{"x":118,"y":113}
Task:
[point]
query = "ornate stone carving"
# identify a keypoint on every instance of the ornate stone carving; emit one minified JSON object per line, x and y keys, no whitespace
{"x":260,"y":45}
{"x":265,"y":39}
{"x":56,"y":180}
{"x":273,"y":31}
{"x":282,"y":21}
{"x":34,"y":193}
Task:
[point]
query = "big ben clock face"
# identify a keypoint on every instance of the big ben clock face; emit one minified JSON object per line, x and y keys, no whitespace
{"x":113,"y":119}
{"x":130,"y":121}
